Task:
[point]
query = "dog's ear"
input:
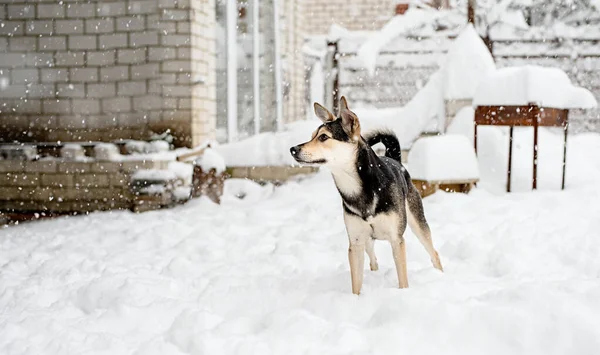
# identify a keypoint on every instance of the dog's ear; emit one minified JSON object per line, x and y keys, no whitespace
{"x":323,"y":113}
{"x":349,"y":120}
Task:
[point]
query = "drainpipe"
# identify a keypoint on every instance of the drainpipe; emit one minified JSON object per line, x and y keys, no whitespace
{"x":277,"y":68}
{"x":256,"y":64}
{"x":232,"y":121}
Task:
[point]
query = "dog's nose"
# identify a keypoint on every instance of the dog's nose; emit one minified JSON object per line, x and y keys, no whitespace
{"x":294,"y":150}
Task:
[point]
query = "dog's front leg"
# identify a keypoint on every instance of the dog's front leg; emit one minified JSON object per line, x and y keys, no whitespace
{"x":358,"y":232}
{"x":399,"y":253}
{"x":356,"y":256}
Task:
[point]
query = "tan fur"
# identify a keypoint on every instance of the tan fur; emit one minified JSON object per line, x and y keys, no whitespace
{"x":370,"y":248}
{"x":360,"y":233}
{"x":424,"y":237}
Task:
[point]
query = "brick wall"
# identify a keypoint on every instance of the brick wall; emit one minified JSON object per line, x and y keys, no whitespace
{"x":353,"y":14}
{"x":60,"y":186}
{"x":103,"y":70}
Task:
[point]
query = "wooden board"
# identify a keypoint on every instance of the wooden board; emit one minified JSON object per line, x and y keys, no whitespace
{"x":520,"y":116}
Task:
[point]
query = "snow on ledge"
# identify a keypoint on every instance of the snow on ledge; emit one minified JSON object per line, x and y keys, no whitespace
{"x":544,"y":86}
{"x":447,"y":158}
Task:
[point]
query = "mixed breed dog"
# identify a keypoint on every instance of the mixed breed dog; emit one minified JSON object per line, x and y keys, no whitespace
{"x":378,"y":196}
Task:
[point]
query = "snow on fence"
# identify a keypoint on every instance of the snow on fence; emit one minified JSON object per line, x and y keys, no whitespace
{"x":407,"y":62}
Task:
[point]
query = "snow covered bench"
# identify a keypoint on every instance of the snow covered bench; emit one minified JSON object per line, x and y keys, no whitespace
{"x":446,"y":162}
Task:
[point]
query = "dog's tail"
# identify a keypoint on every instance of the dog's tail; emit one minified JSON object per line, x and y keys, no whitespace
{"x":389,"y":139}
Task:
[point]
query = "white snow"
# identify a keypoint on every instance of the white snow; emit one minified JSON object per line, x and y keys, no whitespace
{"x":268,"y":149}
{"x":447,"y":158}
{"x":211,"y":159}
{"x":107,"y":152}
{"x":547,"y":87}
{"x":317,"y":87}
{"x":72,"y":151}
{"x":412,"y":18}
{"x":154,"y":174}
{"x":467,"y":61}
{"x":136,"y":147}
{"x":521,"y":275}
{"x":153,"y":190}
{"x":463,"y":123}
{"x":183,"y":171}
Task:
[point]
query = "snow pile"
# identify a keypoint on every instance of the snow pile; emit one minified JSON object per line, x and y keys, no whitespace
{"x":72,"y":151}
{"x":143,"y":147}
{"x":521,"y":275}
{"x":158,"y":146}
{"x":136,"y":147}
{"x":211,"y":159}
{"x":154,"y":175}
{"x":183,"y":171}
{"x":107,"y":152}
{"x":317,"y":87}
{"x":463,"y":123}
{"x":446,"y":158}
{"x":467,"y":61}
{"x":268,"y":149}
{"x":547,"y":87}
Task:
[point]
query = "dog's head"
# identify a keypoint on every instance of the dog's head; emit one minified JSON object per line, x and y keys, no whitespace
{"x":334,"y":142}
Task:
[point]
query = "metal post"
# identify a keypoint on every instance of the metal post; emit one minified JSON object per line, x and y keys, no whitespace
{"x":256,"y":64}
{"x":336,"y":79}
{"x":566,"y":128}
{"x":535,"y":147}
{"x":475,"y":137}
{"x":232,"y":121}
{"x":277,"y":66}
{"x":510,"y":146}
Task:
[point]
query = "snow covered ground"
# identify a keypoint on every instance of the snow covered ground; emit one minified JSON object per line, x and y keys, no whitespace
{"x":268,"y":274}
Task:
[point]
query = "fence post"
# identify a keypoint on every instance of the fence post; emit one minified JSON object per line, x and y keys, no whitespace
{"x":335,"y":70}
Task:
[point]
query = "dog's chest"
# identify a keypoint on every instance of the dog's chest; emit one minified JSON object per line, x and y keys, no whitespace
{"x":363,"y":209}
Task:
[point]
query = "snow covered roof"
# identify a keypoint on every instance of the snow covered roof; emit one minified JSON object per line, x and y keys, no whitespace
{"x":548,"y":87}
{"x":467,"y":61}
{"x":413,"y":18}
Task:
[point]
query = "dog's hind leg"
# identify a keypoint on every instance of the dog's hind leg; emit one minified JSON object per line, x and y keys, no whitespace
{"x":418,"y":224}
{"x":370,"y":247}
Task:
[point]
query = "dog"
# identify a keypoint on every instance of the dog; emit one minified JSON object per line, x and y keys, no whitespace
{"x":378,"y":196}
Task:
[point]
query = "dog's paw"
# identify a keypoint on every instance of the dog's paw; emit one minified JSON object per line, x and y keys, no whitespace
{"x":374,"y":267}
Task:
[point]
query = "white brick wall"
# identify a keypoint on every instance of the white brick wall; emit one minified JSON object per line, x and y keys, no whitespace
{"x":352,"y":14}
{"x":105,"y":69}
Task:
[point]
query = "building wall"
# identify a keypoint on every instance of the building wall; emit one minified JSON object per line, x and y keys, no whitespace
{"x":352,"y":14}
{"x":103,"y":70}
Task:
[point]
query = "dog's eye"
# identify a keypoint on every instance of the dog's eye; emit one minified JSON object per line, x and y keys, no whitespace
{"x":323,"y":137}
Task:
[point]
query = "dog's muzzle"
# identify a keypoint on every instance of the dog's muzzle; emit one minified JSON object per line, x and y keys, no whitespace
{"x":295,"y":150}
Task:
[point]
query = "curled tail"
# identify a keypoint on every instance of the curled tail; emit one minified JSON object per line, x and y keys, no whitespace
{"x":389,"y":139}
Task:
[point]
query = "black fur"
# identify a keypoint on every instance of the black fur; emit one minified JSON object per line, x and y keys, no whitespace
{"x":389,"y":139}
{"x":382,"y":178}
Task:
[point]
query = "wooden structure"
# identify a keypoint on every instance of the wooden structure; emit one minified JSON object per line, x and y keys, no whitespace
{"x":427,"y":188}
{"x":208,"y":183}
{"x":204,"y":183}
{"x":530,"y":115}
